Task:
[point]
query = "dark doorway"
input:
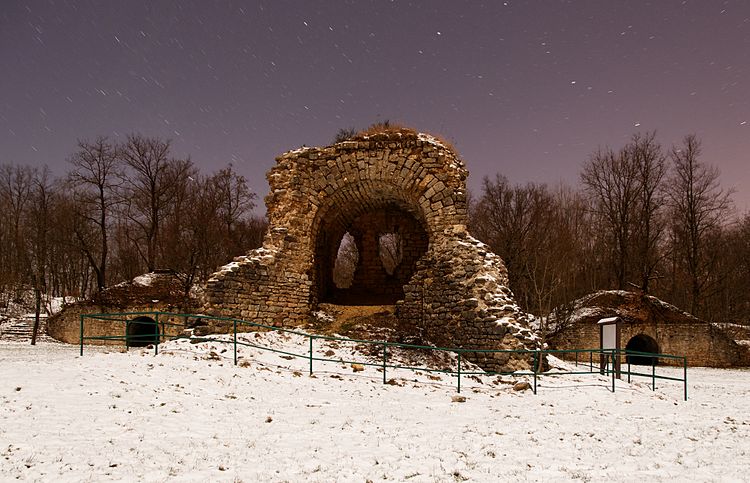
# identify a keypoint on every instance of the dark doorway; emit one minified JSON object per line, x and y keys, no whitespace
{"x":642,"y":343}
{"x":142,"y":331}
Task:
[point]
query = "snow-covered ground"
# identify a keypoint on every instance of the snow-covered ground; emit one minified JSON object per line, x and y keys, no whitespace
{"x":189,"y":414}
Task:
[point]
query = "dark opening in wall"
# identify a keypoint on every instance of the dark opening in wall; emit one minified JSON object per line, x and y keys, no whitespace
{"x":347,"y":259}
{"x":142,"y":331}
{"x":366,"y":251}
{"x":642,"y":343}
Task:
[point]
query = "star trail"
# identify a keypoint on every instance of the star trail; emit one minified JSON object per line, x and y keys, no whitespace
{"x":525,"y":89}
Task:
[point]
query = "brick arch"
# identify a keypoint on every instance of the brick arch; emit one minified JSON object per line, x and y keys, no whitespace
{"x":354,"y":199}
{"x":367,"y":209}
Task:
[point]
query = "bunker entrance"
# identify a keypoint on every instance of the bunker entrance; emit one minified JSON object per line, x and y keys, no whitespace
{"x":642,"y":343}
{"x":367,"y":257}
{"x":142,"y":331}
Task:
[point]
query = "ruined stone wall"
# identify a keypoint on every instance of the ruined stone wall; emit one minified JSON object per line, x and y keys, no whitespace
{"x":701,"y":343}
{"x":675,"y":332}
{"x":160,"y":292}
{"x":459,"y":296}
{"x":316,"y":195}
{"x":456,"y":294}
{"x":66,"y":326}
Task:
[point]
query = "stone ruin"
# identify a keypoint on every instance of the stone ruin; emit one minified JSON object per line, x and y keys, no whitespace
{"x":448,"y":288}
{"x":651,"y":325}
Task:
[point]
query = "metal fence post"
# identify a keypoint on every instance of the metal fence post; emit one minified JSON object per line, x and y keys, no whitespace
{"x":311,"y":355}
{"x":459,"y":372}
{"x":158,"y":333}
{"x":653,"y":374}
{"x":235,"y":340}
{"x":534,"y":371}
{"x":385,"y":358}
{"x":627,"y":358}
{"x":684,"y":374}
{"x":81,"y":334}
{"x":614,"y":371}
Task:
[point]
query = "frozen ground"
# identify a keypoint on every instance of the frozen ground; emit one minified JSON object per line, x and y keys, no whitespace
{"x":189,"y":414}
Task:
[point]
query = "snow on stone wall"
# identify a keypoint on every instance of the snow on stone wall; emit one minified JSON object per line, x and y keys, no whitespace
{"x":457,"y":294}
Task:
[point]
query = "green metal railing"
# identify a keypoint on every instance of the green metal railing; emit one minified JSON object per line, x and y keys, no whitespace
{"x":610,"y":361}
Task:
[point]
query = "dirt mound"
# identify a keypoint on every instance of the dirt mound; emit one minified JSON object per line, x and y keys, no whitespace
{"x":370,"y":322}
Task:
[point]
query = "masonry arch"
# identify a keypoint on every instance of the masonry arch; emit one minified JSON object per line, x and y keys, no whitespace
{"x":377,"y":215}
{"x":642,"y":343}
{"x":142,"y":331}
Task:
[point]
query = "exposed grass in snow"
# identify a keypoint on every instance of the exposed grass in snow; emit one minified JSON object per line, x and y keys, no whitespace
{"x":190,"y":414}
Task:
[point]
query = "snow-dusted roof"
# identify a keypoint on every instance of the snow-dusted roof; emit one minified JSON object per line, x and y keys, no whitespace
{"x":608,"y":320}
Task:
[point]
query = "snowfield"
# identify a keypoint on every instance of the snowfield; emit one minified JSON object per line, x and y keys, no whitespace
{"x":190,"y":414}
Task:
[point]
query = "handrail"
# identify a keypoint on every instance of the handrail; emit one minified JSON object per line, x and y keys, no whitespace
{"x":608,"y":356}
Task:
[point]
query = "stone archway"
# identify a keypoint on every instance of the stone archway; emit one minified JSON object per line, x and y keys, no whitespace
{"x":398,"y":185}
{"x":642,"y":343}
{"x":379,"y":218}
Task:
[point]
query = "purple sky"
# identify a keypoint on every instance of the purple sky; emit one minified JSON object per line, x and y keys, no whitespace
{"x":526,"y":89}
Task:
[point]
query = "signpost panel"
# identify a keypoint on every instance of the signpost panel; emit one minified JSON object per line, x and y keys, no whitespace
{"x":609,"y":343}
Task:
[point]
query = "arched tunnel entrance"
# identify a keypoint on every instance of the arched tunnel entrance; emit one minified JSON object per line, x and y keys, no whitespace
{"x":142,"y":331}
{"x":367,"y":248}
{"x":642,"y":343}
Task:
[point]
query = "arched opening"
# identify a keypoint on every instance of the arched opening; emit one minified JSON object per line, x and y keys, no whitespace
{"x":142,"y":331}
{"x":367,"y":241}
{"x":642,"y":343}
{"x":347,"y":258}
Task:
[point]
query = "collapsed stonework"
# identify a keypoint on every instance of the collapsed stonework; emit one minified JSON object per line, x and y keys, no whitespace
{"x":648,"y":325}
{"x":448,"y":287}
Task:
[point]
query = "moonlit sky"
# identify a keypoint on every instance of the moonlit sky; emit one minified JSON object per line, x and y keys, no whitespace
{"x":525,"y":89}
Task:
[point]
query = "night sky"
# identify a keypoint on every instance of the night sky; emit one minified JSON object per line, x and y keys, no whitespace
{"x":526,"y":89}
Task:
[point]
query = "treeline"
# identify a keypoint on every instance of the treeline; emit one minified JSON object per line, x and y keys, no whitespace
{"x":121,"y":209}
{"x":646,"y":218}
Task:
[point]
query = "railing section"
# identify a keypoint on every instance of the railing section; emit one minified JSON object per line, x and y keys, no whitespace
{"x":610,"y":364}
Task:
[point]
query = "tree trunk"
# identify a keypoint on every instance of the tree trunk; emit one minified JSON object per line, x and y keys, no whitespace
{"x":37,"y":311}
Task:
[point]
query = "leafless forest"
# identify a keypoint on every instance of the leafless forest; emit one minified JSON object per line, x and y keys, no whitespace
{"x":121,"y":210}
{"x":645,"y":218}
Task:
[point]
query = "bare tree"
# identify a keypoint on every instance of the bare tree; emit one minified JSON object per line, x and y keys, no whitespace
{"x":208,"y":222}
{"x":94,"y":178}
{"x":37,"y":239}
{"x":236,"y":202}
{"x":699,"y":206}
{"x":149,"y":188}
{"x":70,"y":269}
{"x":648,"y":233}
{"x":611,"y":180}
{"x":521,"y":223}
{"x":390,"y":251}
{"x":16,"y":185}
